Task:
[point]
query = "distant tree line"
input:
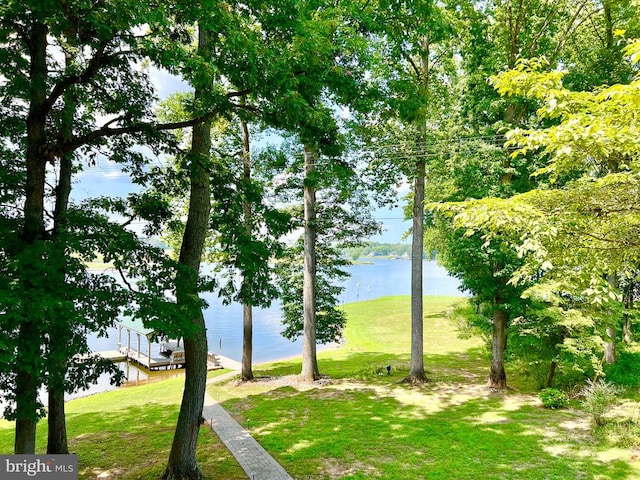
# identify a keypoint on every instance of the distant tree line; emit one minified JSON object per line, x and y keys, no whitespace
{"x":393,"y":250}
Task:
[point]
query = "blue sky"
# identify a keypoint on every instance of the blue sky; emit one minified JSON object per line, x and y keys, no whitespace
{"x":112,"y":182}
{"x":106,"y":179}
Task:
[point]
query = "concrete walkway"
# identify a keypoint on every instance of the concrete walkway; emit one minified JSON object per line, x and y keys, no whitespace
{"x":254,"y":460}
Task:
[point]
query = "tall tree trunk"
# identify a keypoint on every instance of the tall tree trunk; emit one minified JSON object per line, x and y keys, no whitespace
{"x":498,"y":376}
{"x":182,"y":459}
{"x":626,"y":329}
{"x":59,"y":337}
{"x":60,"y":333}
{"x":608,"y":23}
{"x":26,"y":390}
{"x":57,"y":431}
{"x":310,"y":370}
{"x":247,"y":310}
{"x":28,"y":357}
{"x":610,"y":348}
{"x":59,"y":330}
{"x":247,"y":342}
{"x":416,"y":367}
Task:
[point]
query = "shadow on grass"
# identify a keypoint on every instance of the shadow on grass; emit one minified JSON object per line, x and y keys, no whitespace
{"x":366,"y":424}
{"x":339,"y":432}
{"x":132,"y":443}
{"x":469,"y":366}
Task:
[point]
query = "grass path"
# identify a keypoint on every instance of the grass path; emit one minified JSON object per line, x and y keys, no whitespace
{"x":359,"y":423}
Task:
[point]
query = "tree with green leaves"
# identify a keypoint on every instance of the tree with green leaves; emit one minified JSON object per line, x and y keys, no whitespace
{"x":494,"y":36}
{"x":413,"y":66}
{"x":328,"y":56}
{"x":182,"y":462}
{"x":241,"y":253}
{"x":74,"y":69}
{"x":65,"y":66}
{"x":575,"y":230}
{"x":342,"y":221}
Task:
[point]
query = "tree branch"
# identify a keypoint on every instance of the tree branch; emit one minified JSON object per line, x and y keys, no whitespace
{"x":125,"y":281}
{"x":106,"y":131}
{"x":90,"y":71}
{"x":547,"y":21}
{"x":572,"y":27}
{"x":415,"y":68}
{"x":616,"y":241}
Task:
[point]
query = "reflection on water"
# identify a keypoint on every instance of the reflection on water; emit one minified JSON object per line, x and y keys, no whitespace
{"x":141,"y":376}
{"x":134,"y":375}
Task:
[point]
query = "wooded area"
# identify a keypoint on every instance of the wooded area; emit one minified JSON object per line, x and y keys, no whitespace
{"x":513,"y":123}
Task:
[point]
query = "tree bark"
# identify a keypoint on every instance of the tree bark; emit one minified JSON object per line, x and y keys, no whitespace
{"x":59,"y":337}
{"x":610,"y":348}
{"x":498,"y":376}
{"x":247,"y":342}
{"x":182,"y":460}
{"x":29,"y":334}
{"x":552,"y":373}
{"x":57,"y":432}
{"x":310,"y":371}
{"x":60,"y":332}
{"x":608,"y":22}
{"x":627,"y":337}
{"x":26,"y":391}
{"x":416,"y":367}
{"x":247,"y":309}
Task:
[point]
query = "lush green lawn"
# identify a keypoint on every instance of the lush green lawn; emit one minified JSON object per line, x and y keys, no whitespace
{"x":363,"y":423}
{"x":359,"y":423}
{"x":127,"y":434}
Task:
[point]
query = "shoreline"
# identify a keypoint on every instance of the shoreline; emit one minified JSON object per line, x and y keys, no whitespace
{"x":229,"y":365}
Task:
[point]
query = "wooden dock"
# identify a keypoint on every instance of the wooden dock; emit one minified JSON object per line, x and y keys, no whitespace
{"x":157,"y":355}
{"x":175,"y":359}
{"x":113,"y":355}
{"x":149,"y":362}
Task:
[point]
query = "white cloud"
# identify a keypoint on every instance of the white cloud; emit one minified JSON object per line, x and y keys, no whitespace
{"x":166,"y":83}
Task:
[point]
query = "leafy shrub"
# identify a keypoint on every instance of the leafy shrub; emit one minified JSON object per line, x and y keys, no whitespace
{"x":553,"y":398}
{"x":626,"y":369}
{"x":536,"y":372}
{"x":599,"y":396}
{"x":624,"y":434}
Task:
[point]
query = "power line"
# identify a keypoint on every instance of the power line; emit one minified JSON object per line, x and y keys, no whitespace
{"x":395,"y":150}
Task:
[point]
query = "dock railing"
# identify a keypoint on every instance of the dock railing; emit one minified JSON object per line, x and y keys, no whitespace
{"x":213,"y":360}
{"x":177,"y":358}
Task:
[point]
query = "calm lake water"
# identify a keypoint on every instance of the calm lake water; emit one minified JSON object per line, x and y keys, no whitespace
{"x":381,"y":277}
{"x":372,"y":278}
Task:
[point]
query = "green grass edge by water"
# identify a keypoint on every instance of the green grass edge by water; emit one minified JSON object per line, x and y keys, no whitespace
{"x":357,"y":423}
